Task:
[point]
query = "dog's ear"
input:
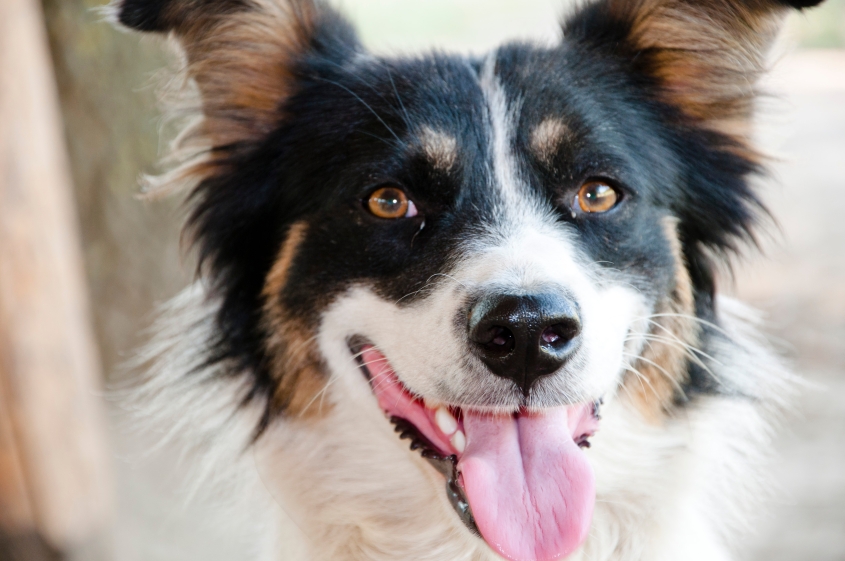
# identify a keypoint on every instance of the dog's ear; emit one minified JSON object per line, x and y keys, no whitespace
{"x":703,"y":56}
{"x":243,"y":55}
{"x":171,"y":15}
{"x":244,"y":62}
{"x":698,"y":63}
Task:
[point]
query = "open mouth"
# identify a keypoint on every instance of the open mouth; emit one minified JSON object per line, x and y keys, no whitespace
{"x":519,"y":480}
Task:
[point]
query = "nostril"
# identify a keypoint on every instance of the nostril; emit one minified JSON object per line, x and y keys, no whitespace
{"x":559,"y":334}
{"x":499,"y":340}
{"x":550,"y":336}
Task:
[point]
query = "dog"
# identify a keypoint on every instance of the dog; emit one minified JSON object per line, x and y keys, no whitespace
{"x":466,"y":308}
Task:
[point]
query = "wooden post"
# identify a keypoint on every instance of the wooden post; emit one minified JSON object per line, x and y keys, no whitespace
{"x":54,"y":476}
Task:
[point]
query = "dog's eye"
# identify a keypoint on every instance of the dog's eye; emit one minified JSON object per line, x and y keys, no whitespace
{"x":597,"y":197}
{"x":391,"y":202}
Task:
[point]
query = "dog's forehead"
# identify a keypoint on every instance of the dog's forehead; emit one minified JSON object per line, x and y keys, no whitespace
{"x":448,"y":102}
{"x":443,"y":107}
{"x":486,"y":150}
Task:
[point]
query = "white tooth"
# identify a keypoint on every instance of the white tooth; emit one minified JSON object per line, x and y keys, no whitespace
{"x":445,"y":421}
{"x":459,"y":441}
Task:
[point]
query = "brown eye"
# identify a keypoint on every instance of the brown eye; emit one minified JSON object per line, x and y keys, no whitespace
{"x":596,"y":196}
{"x":390,"y":202}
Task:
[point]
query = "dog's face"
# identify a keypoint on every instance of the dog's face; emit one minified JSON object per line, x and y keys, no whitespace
{"x":502,"y":255}
{"x":492,"y":246}
{"x":501,"y":246}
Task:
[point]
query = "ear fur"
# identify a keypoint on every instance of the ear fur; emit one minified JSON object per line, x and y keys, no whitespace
{"x":243,"y":61}
{"x":170,"y":15}
{"x":243,"y":56}
{"x":698,"y":62}
{"x":705,"y":56}
{"x":801,"y":4}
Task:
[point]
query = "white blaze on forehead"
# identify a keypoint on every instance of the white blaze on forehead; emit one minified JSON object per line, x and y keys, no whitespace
{"x":502,"y":123}
{"x":521,"y":221}
{"x":517,"y":205}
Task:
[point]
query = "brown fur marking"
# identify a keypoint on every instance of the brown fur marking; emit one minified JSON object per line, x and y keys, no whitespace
{"x":237,"y":73}
{"x":296,"y":366}
{"x":663,"y":361}
{"x":242,"y":66}
{"x":277,"y":277}
{"x":708,"y":56}
{"x":440,"y":148}
{"x":547,"y":137}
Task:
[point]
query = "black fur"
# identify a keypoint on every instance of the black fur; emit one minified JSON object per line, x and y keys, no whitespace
{"x":354,"y":124}
{"x":165,"y":15}
{"x":240,"y":218}
{"x":801,"y":4}
{"x":144,"y":15}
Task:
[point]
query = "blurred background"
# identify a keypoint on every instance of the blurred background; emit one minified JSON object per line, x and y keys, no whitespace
{"x":79,"y":112}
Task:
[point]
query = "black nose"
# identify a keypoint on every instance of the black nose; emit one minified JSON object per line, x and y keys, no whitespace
{"x":523,"y":338}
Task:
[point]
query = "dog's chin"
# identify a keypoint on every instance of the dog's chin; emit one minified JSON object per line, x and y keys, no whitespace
{"x":519,"y":480}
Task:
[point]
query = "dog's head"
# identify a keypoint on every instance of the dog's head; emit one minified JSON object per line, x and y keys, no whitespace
{"x":492,"y":246}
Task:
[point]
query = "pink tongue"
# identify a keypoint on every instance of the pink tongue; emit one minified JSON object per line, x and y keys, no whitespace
{"x":530,"y":487}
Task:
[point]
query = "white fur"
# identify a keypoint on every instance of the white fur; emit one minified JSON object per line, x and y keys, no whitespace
{"x":355,"y":491}
{"x":186,"y":418}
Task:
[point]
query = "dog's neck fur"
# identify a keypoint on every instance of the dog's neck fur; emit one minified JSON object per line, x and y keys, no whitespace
{"x":663,"y":492}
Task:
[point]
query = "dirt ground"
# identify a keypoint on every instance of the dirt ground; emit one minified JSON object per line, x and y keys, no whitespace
{"x":800,"y":284}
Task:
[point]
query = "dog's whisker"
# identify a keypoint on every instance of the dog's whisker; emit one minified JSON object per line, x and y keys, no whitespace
{"x":414,"y":293}
{"x":387,"y":141}
{"x":694,"y":352}
{"x":661,"y":369}
{"x":374,"y":361}
{"x":320,"y":394}
{"x":669,"y":333}
{"x":302,"y":345}
{"x":691,"y":352}
{"x":684,"y":316}
{"x":640,"y":378}
{"x":669,"y":336}
{"x":450,"y":277}
{"x":405,"y":115}
{"x":429,"y":285}
{"x":368,"y":106}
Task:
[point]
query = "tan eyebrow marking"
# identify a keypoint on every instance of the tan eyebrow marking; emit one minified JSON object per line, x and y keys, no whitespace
{"x":546,"y":138}
{"x":439,"y":147}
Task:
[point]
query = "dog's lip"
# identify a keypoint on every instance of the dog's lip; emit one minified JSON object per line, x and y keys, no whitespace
{"x":436,"y":445}
{"x":435,"y":431}
{"x":442,"y":455}
{"x":445,"y":462}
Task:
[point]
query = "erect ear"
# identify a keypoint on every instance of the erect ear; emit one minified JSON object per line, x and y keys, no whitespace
{"x":705,"y":56}
{"x":167,"y":15}
{"x":243,"y":55}
{"x":245,"y":59}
